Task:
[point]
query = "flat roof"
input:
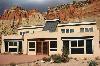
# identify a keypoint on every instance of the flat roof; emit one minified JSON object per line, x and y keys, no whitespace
{"x":59,"y":24}
{"x":31,"y":27}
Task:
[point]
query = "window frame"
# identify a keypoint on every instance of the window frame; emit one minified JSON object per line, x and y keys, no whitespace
{"x":68,"y":30}
{"x":53,"y":49}
{"x":71,"y":30}
{"x":63,"y":30}
{"x":87,"y":29}
{"x":77,"y":47}
{"x":13,"y":43}
{"x":82,"y":30}
{"x":32,"y":49}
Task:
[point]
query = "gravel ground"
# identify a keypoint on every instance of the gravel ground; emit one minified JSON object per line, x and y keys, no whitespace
{"x":31,"y":60}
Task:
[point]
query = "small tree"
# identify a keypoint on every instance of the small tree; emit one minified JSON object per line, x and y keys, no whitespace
{"x":65,"y":52}
{"x":92,"y":63}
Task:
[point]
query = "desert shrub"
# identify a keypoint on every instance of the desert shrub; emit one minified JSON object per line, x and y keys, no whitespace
{"x":65,"y":52}
{"x":57,"y":58}
{"x":92,"y":63}
{"x":46,"y":59}
{"x":12,"y":64}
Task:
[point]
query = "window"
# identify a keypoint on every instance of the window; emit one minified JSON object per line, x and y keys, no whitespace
{"x":80,"y":43}
{"x":12,"y":43}
{"x":53,"y":49}
{"x":20,"y":46}
{"x":81,"y":29}
{"x":53,"y":45}
{"x":77,"y":47}
{"x":71,"y":30}
{"x":31,"y":46}
{"x":91,"y":29}
{"x":6,"y":46}
{"x":21,"y":33}
{"x":73,"y":43}
{"x":63,"y":30}
{"x":89,"y":46}
{"x":31,"y":49}
{"x":86,"y":29}
{"x":12,"y":49}
{"x":67,"y":30}
{"x":77,"y":51}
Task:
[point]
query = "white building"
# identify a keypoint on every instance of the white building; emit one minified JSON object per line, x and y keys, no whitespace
{"x":80,"y":38}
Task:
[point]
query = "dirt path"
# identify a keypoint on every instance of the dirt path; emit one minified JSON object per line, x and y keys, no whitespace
{"x":6,"y":59}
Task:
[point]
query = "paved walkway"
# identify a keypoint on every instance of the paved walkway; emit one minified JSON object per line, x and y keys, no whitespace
{"x":6,"y":59}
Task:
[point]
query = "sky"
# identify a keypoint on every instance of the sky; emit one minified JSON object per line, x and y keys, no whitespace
{"x":41,"y":5}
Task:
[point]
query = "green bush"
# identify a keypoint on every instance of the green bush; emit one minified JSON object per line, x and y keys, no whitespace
{"x":57,"y":58}
{"x":92,"y":63}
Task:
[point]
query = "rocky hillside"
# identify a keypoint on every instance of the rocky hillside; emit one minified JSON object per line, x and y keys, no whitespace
{"x":76,"y":11}
{"x":16,"y":16}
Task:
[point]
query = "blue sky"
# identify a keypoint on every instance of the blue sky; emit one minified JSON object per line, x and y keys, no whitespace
{"x":41,"y":5}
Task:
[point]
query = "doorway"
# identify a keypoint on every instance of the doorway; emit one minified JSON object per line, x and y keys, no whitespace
{"x":66,"y":46}
{"x":42,"y":48}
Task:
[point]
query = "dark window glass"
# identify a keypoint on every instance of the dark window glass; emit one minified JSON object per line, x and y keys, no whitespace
{"x":86,"y":29}
{"x":80,"y":43}
{"x":15,"y":43}
{"x":89,"y":46}
{"x":12,"y":49}
{"x":53,"y":44}
{"x":53,"y":49}
{"x":20,"y":46}
{"x":71,"y":30}
{"x":6,"y":46}
{"x":31,"y":44}
{"x":63,"y":30}
{"x":67,"y":30}
{"x":91,"y":29}
{"x":77,"y":50}
{"x":73,"y":43}
{"x":10,"y":43}
{"x":81,"y":29}
{"x":20,"y":33}
{"x":31,"y":49}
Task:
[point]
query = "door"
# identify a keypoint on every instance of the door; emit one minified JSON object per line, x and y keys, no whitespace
{"x":42,"y":48}
{"x":66,"y":47}
{"x":38,"y":48}
{"x":45,"y":48}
